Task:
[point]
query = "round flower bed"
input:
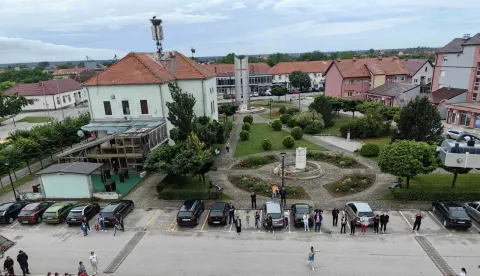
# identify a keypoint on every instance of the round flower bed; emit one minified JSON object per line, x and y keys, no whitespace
{"x":334,"y":158}
{"x":264,"y":188}
{"x":350,"y":184}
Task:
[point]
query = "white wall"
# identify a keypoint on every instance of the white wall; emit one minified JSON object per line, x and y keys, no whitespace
{"x":421,"y":73}
{"x":65,"y":186}
{"x":51,"y":101}
{"x":319,"y":79}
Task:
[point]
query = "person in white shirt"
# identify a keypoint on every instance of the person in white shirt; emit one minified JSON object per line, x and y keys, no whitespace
{"x":463,"y":272}
{"x":286,"y":214}
{"x":305,"y":222}
{"x":94,"y":262}
{"x":364,"y":224}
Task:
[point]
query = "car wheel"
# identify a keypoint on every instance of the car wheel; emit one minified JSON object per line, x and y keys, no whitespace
{"x":10,"y":220}
{"x":39,"y":219}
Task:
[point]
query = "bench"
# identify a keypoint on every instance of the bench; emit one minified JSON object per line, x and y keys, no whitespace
{"x":216,"y":186}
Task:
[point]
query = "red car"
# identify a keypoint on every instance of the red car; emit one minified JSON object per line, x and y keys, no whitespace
{"x":33,"y":212}
{"x":295,"y":91}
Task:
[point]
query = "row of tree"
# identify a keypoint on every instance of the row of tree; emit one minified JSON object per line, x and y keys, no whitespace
{"x":25,"y":75}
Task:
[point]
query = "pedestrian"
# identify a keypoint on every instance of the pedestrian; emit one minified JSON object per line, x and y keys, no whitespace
{"x":363,"y":224}
{"x":383,"y":222}
{"x":238,"y":225}
{"x":22,"y":260}
{"x":270,"y":223}
{"x":101,"y":222}
{"x":318,"y":222}
{"x":376,"y":222}
{"x":84,"y":229}
{"x":81,"y":268}
{"x":343,"y":223}
{"x":85,"y":219}
{"x":311,"y":258}
{"x":231,"y":213}
{"x":286,"y":214}
{"x":247,"y":220}
{"x":94,"y":262}
{"x":463,"y":272}
{"x":335,"y":213}
{"x":253,"y":197}
{"x":283,"y":196}
{"x":305,"y":222}
{"x":418,"y":220}
{"x":227,"y":147}
{"x":120,"y":220}
{"x":8,"y":266}
{"x":257,"y":220}
{"x":353,"y":224}
{"x":274,"y":191}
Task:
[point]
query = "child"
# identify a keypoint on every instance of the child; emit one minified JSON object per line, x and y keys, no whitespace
{"x":247,"y":220}
{"x":97,"y":227}
{"x":257,"y":220}
{"x":84,"y":229}
{"x":238,"y":224}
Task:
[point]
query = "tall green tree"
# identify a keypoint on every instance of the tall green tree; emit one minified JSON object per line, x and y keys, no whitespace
{"x":12,"y":105}
{"x":337,"y":103}
{"x":347,"y":55}
{"x":180,"y":110}
{"x":387,"y":113}
{"x":25,"y":75}
{"x":322,"y":105}
{"x":228,"y":59}
{"x":279,"y":91}
{"x":353,"y":106}
{"x":420,"y":121}
{"x":67,"y":65}
{"x":227,"y":109}
{"x":273,"y":59}
{"x":312,"y":56}
{"x":456,"y":172}
{"x":29,"y":150}
{"x":6,"y":85}
{"x":300,"y":80}
{"x":408,"y":159}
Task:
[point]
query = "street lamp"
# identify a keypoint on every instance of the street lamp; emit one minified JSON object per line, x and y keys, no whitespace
{"x":157,"y":35}
{"x":283,"y":168}
{"x":299,"y":101}
{"x":270,"y":108}
{"x":11,"y":181}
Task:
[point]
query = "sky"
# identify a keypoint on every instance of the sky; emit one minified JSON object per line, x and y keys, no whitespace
{"x":59,"y":30}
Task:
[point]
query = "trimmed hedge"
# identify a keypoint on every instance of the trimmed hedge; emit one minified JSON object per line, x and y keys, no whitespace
{"x":183,"y":194}
{"x":267,"y":144}
{"x":248,"y":119}
{"x":246,"y":126}
{"x":256,"y":161}
{"x":370,"y":150}
{"x":284,"y":118}
{"x":291,"y":122}
{"x":313,"y":128}
{"x":288,"y":142}
{"x":333,"y":158}
{"x":292,"y":111}
{"x":404,"y":194}
{"x":277,"y":125}
{"x":282,"y":109}
{"x":365,"y":127}
{"x":297,"y":133}
{"x":244,"y":135}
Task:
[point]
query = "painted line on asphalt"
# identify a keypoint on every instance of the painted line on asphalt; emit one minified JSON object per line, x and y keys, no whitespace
{"x":204,"y":222}
{"x":435,"y":218}
{"x":433,"y":254}
{"x":11,"y":227}
{"x":478,"y":229}
{"x":151,"y":219}
{"x":172,"y":225}
{"x":123,"y":254}
{"x":408,"y":222}
{"x":260,"y":222}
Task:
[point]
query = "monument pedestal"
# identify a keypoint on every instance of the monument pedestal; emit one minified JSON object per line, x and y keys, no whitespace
{"x":301,"y":159}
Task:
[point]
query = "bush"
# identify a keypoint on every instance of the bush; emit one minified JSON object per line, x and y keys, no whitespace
{"x":264,"y":188}
{"x":331,"y":157}
{"x":256,"y":161}
{"x":366,"y":127}
{"x":282,"y":109}
{"x":228,"y":126}
{"x":288,"y":142}
{"x":267,"y":144}
{"x":307,"y":117}
{"x":346,"y":161}
{"x":284,"y":118}
{"x":370,"y":150}
{"x":351,"y":184}
{"x":314,"y":128}
{"x":246,"y":126}
{"x":248,"y":119}
{"x":440,"y":195}
{"x":292,"y":111}
{"x":297,"y":133}
{"x":291,"y":122}
{"x":277,"y":125}
{"x":244,"y":135}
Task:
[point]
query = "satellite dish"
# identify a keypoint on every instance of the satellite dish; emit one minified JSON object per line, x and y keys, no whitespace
{"x":80,"y":133}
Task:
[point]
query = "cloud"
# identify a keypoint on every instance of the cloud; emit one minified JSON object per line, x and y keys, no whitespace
{"x":17,"y":50}
{"x":237,"y":6}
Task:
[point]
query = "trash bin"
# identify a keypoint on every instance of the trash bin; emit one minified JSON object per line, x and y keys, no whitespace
{"x":36,"y":188}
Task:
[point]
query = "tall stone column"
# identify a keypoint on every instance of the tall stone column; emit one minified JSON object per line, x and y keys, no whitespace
{"x":246,"y":82}
{"x":242,"y":86}
{"x":238,"y":80}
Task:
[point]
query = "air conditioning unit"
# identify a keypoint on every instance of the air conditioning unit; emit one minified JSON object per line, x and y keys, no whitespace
{"x":127,"y":118}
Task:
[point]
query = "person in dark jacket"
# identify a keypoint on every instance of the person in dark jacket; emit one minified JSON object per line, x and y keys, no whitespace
{"x":22,"y":260}
{"x":283,"y":196}
{"x":335,"y":213}
{"x":8,"y":266}
{"x":231,"y":213}
{"x":353,"y":224}
{"x":253,"y":197}
{"x":238,"y":225}
{"x":270,"y":223}
{"x":376,"y":222}
{"x":383,"y":222}
{"x":418,"y":221}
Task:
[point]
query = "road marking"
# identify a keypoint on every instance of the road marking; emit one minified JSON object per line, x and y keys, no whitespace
{"x":172,"y":226}
{"x":289,"y":222}
{"x":409,"y":224}
{"x":433,"y":216}
{"x":148,"y":223}
{"x":38,"y":226}
{"x":433,"y":254}
{"x":11,"y":227}
{"x":123,"y":254}
{"x":478,"y":229}
{"x":260,"y":222}
{"x":204,"y":222}
{"x":65,"y":226}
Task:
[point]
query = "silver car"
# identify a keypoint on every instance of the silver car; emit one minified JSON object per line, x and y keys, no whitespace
{"x":275,"y":210}
{"x":473,"y":210}
{"x":359,"y":209}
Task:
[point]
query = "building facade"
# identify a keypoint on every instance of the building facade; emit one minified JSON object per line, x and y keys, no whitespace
{"x":420,"y":71}
{"x":68,"y":73}
{"x":393,"y":94}
{"x":315,"y":70}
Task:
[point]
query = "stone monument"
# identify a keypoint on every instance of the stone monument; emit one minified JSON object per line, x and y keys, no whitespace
{"x":242,"y":86}
{"x":301,"y":159}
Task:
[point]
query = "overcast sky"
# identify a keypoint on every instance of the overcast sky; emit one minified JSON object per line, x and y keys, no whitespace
{"x":58,"y":30}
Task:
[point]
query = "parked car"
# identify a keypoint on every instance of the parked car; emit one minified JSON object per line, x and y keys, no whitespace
{"x":473,"y":210}
{"x":58,"y":212}
{"x":190,"y":212}
{"x":115,"y":210}
{"x":452,"y":214}
{"x":228,"y":96}
{"x":295,"y":91}
{"x":9,"y":211}
{"x":298,"y":210}
{"x":32,"y":213}
{"x":255,"y":94}
{"x":359,"y":209}
{"x":76,"y":214}
{"x":268,"y":92}
{"x":275,"y":210}
{"x":454,"y":134}
{"x":218,"y":213}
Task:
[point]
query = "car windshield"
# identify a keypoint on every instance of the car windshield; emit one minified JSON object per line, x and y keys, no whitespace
{"x":459,"y":214}
{"x":75,"y":214}
{"x":303,"y":209}
{"x":107,"y":214}
{"x":367,"y":214}
{"x":49,"y":214}
{"x":216,"y":213}
{"x":274,"y":210}
{"x":5,"y":207}
{"x":26,"y":212}
{"x":185,"y":214}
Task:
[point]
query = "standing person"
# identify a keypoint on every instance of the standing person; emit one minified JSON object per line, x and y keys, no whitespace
{"x":257,"y":220}
{"x":81,"y":268}
{"x":283,"y":196}
{"x":247,"y":220}
{"x":418,"y":221}
{"x":101,"y":222}
{"x":253,"y":197}
{"x":8,"y":266}
{"x":376,"y":222}
{"x":305,"y":222}
{"x":94,"y":262}
{"x":318,"y":222}
{"x":353,"y":224}
{"x":270,"y":223}
{"x":227,"y":147}
{"x":343,"y":223}
{"x":22,"y":260}
{"x":85,"y":219}
{"x":364,"y":224}
{"x":84,"y":229}
{"x":231,"y":213}
{"x":274,"y":191}
{"x":383,"y":222}
{"x":335,"y":213}
{"x":463,"y":272}
{"x":238,"y":224}
{"x":311,"y":258}
{"x":120,"y":220}
{"x":286,"y":214}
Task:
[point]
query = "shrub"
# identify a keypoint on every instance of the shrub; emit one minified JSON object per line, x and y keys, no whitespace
{"x":366,"y":127}
{"x":370,"y":150}
{"x":288,"y":142}
{"x":267,"y":144}
{"x":277,"y":125}
{"x":244,"y":135}
{"x":292,"y":111}
{"x":248,"y":119}
{"x":228,"y":126}
{"x":346,"y":161}
{"x":183,"y":194}
{"x":246,"y":126}
{"x":284,"y":118}
{"x":351,"y":184}
{"x":256,"y":161}
{"x":439,"y":195}
{"x":264,"y":188}
{"x":331,"y":157}
{"x":291,"y":122}
{"x":307,"y":117}
{"x":314,"y":128}
{"x":160,"y":187}
{"x":297,"y":133}
{"x":282,"y":109}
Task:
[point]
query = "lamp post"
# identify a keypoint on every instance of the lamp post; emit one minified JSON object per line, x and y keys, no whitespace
{"x":283,"y":169}
{"x":157,"y":35}
{"x":270,"y":108}
{"x":11,"y":181}
{"x":299,"y":100}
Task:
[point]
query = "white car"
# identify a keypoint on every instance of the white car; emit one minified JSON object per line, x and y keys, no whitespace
{"x":268,"y":92}
{"x":359,"y":209}
{"x":454,"y":134}
{"x":473,"y":210}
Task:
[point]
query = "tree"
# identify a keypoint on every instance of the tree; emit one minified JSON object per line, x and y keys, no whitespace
{"x":333,"y":55}
{"x":456,"y":171}
{"x":12,"y":105}
{"x":311,"y":56}
{"x":108,"y":63}
{"x":273,"y":59}
{"x":420,"y":121}
{"x":4,"y":86}
{"x":29,"y":150}
{"x":352,"y":106}
{"x":180,"y":110}
{"x":322,"y":105}
{"x":67,"y":65}
{"x":161,"y":158}
{"x":279,"y":91}
{"x":300,"y":80}
{"x":227,"y":109}
{"x":44,"y":64}
{"x":81,"y":64}
{"x":347,"y":55}
{"x":12,"y":156}
{"x":386,"y":112}
{"x":25,"y":75}
{"x":228,"y":59}
{"x":407,"y":159}
{"x":337,"y":103}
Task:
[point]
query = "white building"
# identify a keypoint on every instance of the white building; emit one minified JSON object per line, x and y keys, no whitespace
{"x":420,"y":71}
{"x":53,"y":94}
{"x":314,"y":69}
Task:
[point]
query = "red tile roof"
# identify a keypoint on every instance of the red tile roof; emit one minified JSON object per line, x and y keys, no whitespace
{"x":69,"y":71}
{"x":413,"y":65}
{"x":445,"y":93}
{"x":144,"y":68}
{"x":226,"y":70}
{"x":44,"y":88}
{"x":354,"y":68}
{"x":283,"y":68}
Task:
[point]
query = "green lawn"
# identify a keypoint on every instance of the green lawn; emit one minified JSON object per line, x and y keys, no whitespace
{"x":275,"y":104}
{"x":259,"y":131}
{"x":7,"y":188}
{"x":123,"y":188}
{"x":186,"y":185}
{"x":221,"y":118}
{"x":380,"y":141}
{"x":339,"y":122}
{"x":275,"y":114}
{"x":36,"y":120}
{"x":3,"y":119}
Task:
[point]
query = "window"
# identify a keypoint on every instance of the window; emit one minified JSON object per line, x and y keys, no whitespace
{"x":454,"y":118}
{"x":278,"y":77}
{"x":429,"y":79}
{"x":474,"y":97}
{"x":445,"y":59}
{"x":465,"y":119}
{"x":69,"y":98}
{"x":58,"y":100}
{"x":144,"y":106}
{"x":350,"y":81}
{"x":426,"y":68}
{"x":64,"y":99}
{"x":350,"y":93}
{"x":79,"y":95}
{"x":402,"y":78}
{"x":442,"y":73}
{"x":125,"y":108}
{"x":415,"y":80}
{"x":108,"y":107}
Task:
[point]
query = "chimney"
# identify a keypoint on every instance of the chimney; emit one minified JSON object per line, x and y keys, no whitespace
{"x":338,"y":59}
{"x":354,"y":58}
{"x":215,"y":69}
{"x":466,"y":36}
{"x":380,"y":57}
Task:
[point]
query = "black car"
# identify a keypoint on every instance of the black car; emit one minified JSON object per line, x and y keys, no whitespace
{"x":115,"y":210}
{"x":190,"y":212}
{"x":218,"y":213}
{"x":76,"y":214}
{"x":9,"y":211}
{"x":298,"y":210}
{"x":452,"y":214}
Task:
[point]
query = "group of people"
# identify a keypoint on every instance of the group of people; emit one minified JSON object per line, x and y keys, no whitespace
{"x":22,"y":259}
{"x":279,"y":193}
{"x":379,"y":224}
{"x":82,"y":271}
{"x":317,"y":220}
{"x":100,"y":224}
